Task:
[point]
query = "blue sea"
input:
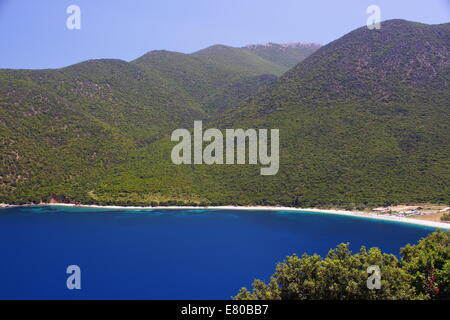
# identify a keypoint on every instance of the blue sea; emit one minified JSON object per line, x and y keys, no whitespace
{"x":168,"y":254}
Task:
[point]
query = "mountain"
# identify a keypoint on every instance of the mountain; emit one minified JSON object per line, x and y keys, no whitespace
{"x":239,"y":59}
{"x":365,"y":118}
{"x":57,"y":125}
{"x":207,"y":73}
{"x":62,"y":129}
{"x":284,"y":54}
{"x":216,"y":71}
{"x":363,"y":121}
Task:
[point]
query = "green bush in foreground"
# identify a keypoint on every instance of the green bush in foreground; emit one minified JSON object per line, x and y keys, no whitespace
{"x":422,"y":273}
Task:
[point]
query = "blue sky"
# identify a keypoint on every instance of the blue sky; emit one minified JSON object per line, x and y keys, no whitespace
{"x":34,"y":33}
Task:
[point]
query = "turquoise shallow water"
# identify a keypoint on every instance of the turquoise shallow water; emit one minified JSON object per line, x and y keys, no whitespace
{"x":168,"y":254}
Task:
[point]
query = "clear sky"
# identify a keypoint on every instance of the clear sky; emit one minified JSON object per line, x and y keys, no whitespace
{"x":34,"y":34}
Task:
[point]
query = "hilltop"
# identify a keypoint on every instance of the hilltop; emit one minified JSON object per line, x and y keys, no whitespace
{"x":63,"y":129}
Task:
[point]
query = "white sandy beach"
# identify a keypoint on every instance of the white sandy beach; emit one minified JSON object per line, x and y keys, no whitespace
{"x":369,"y":215}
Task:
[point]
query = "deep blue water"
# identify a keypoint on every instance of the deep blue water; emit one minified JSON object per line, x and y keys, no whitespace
{"x":168,"y":254}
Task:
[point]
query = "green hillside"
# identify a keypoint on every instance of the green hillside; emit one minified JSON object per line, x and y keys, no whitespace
{"x":237,"y":92}
{"x":239,"y":60}
{"x":363,"y":121}
{"x":287,"y":54}
{"x":347,"y":139}
{"x":60,"y":125}
{"x":215,"y":73}
{"x":63,"y":129}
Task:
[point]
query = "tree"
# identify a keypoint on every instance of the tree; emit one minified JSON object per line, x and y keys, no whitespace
{"x":422,"y":273}
{"x":429,"y":264}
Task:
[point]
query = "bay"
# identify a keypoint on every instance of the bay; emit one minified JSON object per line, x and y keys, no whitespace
{"x":169,"y":253}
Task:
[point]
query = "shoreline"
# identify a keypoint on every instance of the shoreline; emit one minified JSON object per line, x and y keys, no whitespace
{"x":360,"y":214}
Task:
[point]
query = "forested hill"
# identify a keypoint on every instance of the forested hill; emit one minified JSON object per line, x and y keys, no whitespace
{"x":365,"y":118}
{"x":285,"y":54}
{"x":218,"y":70}
{"x":61,"y":126}
{"x":363,"y":121}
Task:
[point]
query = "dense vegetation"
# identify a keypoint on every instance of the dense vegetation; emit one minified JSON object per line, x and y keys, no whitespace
{"x":364,"y":121}
{"x":63,"y":131}
{"x":423,"y":272}
{"x":287,"y":54}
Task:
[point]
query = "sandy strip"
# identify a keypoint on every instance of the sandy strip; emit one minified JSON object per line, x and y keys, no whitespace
{"x":369,"y":215}
{"x":4,"y":205}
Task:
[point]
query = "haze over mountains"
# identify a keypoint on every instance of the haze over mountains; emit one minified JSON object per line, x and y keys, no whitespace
{"x":363,"y":120}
